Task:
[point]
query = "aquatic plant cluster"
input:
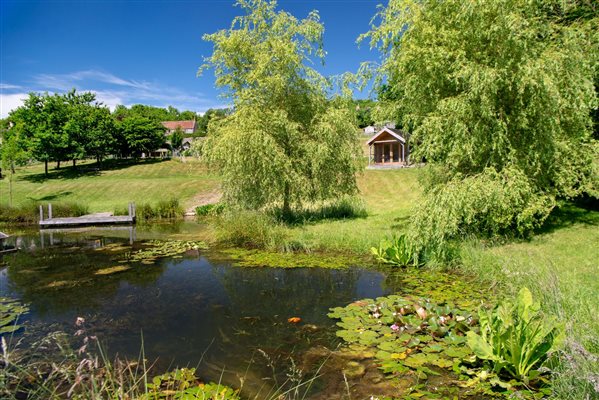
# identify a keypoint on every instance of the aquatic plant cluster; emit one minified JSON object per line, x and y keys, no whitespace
{"x":183,"y":384}
{"x":10,"y":312}
{"x":421,"y":342}
{"x":155,"y":249}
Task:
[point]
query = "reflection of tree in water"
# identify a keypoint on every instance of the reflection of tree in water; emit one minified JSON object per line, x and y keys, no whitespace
{"x":63,"y":278}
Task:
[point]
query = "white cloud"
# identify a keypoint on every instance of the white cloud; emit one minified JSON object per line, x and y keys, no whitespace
{"x":68,"y":81}
{"x":9,"y":102}
{"x":8,"y":86}
{"x":109,"y":89}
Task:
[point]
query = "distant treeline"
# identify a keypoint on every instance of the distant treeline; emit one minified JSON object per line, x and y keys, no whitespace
{"x":75,"y":126}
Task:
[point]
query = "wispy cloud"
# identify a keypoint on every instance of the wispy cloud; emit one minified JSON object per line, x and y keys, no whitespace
{"x":110,"y":89}
{"x":67,"y":81}
{"x":8,"y":86}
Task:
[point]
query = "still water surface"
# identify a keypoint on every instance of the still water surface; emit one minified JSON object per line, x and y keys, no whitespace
{"x":197,"y":310}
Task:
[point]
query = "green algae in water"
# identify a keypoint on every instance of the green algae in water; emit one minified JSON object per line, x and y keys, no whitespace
{"x":262,"y":258}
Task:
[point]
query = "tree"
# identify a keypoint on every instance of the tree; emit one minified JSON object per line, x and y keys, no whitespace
{"x":285,"y":143}
{"x":92,"y":128}
{"x":13,"y":152}
{"x":209,"y":115}
{"x":177,"y":139}
{"x":139,"y":135}
{"x":499,"y":96}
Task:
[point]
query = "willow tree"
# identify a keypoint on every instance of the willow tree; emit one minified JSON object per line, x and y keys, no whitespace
{"x":285,"y":143}
{"x":499,"y":98}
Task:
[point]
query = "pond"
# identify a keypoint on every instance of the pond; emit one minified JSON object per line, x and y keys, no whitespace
{"x":195,"y":309}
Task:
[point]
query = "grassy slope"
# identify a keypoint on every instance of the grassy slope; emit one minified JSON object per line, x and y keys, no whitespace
{"x":113,"y":186}
{"x":388,"y":196}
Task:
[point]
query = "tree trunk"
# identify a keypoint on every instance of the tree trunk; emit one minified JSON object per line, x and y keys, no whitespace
{"x":10,"y":176}
{"x":74,"y":162}
{"x":58,"y":164}
{"x":46,"y":166}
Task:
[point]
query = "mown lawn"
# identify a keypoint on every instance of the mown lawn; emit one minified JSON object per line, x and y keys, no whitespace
{"x":112,"y":186}
{"x":388,"y":196}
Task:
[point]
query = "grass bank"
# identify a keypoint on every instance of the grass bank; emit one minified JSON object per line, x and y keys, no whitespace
{"x":560,"y":265}
{"x":112,"y":185}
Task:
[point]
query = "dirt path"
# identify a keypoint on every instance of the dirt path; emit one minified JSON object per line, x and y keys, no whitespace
{"x":201,"y":199}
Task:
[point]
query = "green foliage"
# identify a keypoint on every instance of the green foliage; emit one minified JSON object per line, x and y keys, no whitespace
{"x":210,"y":209}
{"x":28,"y":213}
{"x":491,"y":203}
{"x":492,"y":90}
{"x":410,"y":336}
{"x":156,"y":114}
{"x":285,"y":143}
{"x":181,"y":384}
{"x":163,"y":209}
{"x":137,"y":135}
{"x":347,"y":207}
{"x":10,"y":312}
{"x":177,"y":139}
{"x":250,"y":229}
{"x":397,"y":251}
{"x":516,"y":338}
{"x":196,"y":149}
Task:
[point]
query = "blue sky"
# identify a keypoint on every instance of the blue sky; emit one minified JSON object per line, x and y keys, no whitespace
{"x":147,"y":52}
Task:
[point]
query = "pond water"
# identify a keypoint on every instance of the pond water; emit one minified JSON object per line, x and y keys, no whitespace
{"x":197,"y":310}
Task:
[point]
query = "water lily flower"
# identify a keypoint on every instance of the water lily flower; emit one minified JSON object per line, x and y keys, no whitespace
{"x":294,"y":320}
{"x":79,"y":321}
{"x":376,"y":315}
{"x":394,"y":327}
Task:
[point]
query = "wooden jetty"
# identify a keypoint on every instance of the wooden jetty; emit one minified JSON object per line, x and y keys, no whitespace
{"x":89,"y":220}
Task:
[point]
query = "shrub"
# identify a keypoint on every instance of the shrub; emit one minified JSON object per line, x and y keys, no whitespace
{"x":489,"y":204}
{"x":516,"y":338}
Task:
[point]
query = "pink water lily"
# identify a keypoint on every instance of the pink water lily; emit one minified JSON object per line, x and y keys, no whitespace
{"x":394,"y":327}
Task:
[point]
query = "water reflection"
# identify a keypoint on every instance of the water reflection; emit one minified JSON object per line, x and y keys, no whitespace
{"x":187,"y":309}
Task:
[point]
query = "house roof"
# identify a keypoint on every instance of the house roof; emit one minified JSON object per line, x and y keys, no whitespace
{"x":396,"y":133}
{"x":172,"y":125}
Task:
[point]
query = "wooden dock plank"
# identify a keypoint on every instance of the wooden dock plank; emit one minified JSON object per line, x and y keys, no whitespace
{"x":87,"y":220}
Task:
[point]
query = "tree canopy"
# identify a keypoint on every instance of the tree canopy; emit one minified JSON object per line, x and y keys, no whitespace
{"x":285,"y":142}
{"x":499,"y":94}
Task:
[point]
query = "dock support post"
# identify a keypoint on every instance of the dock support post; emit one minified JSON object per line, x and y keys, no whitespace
{"x":41,"y":212}
{"x":49,"y":210}
{"x":133,"y":211}
{"x":130,"y":210}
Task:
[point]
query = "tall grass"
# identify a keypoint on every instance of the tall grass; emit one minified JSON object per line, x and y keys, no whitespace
{"x":163,"y":209}
{"x":28,"y":213}
{"x":250,"y":229}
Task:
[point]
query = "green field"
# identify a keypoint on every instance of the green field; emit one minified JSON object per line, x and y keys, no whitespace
{"x":113,"y":186}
